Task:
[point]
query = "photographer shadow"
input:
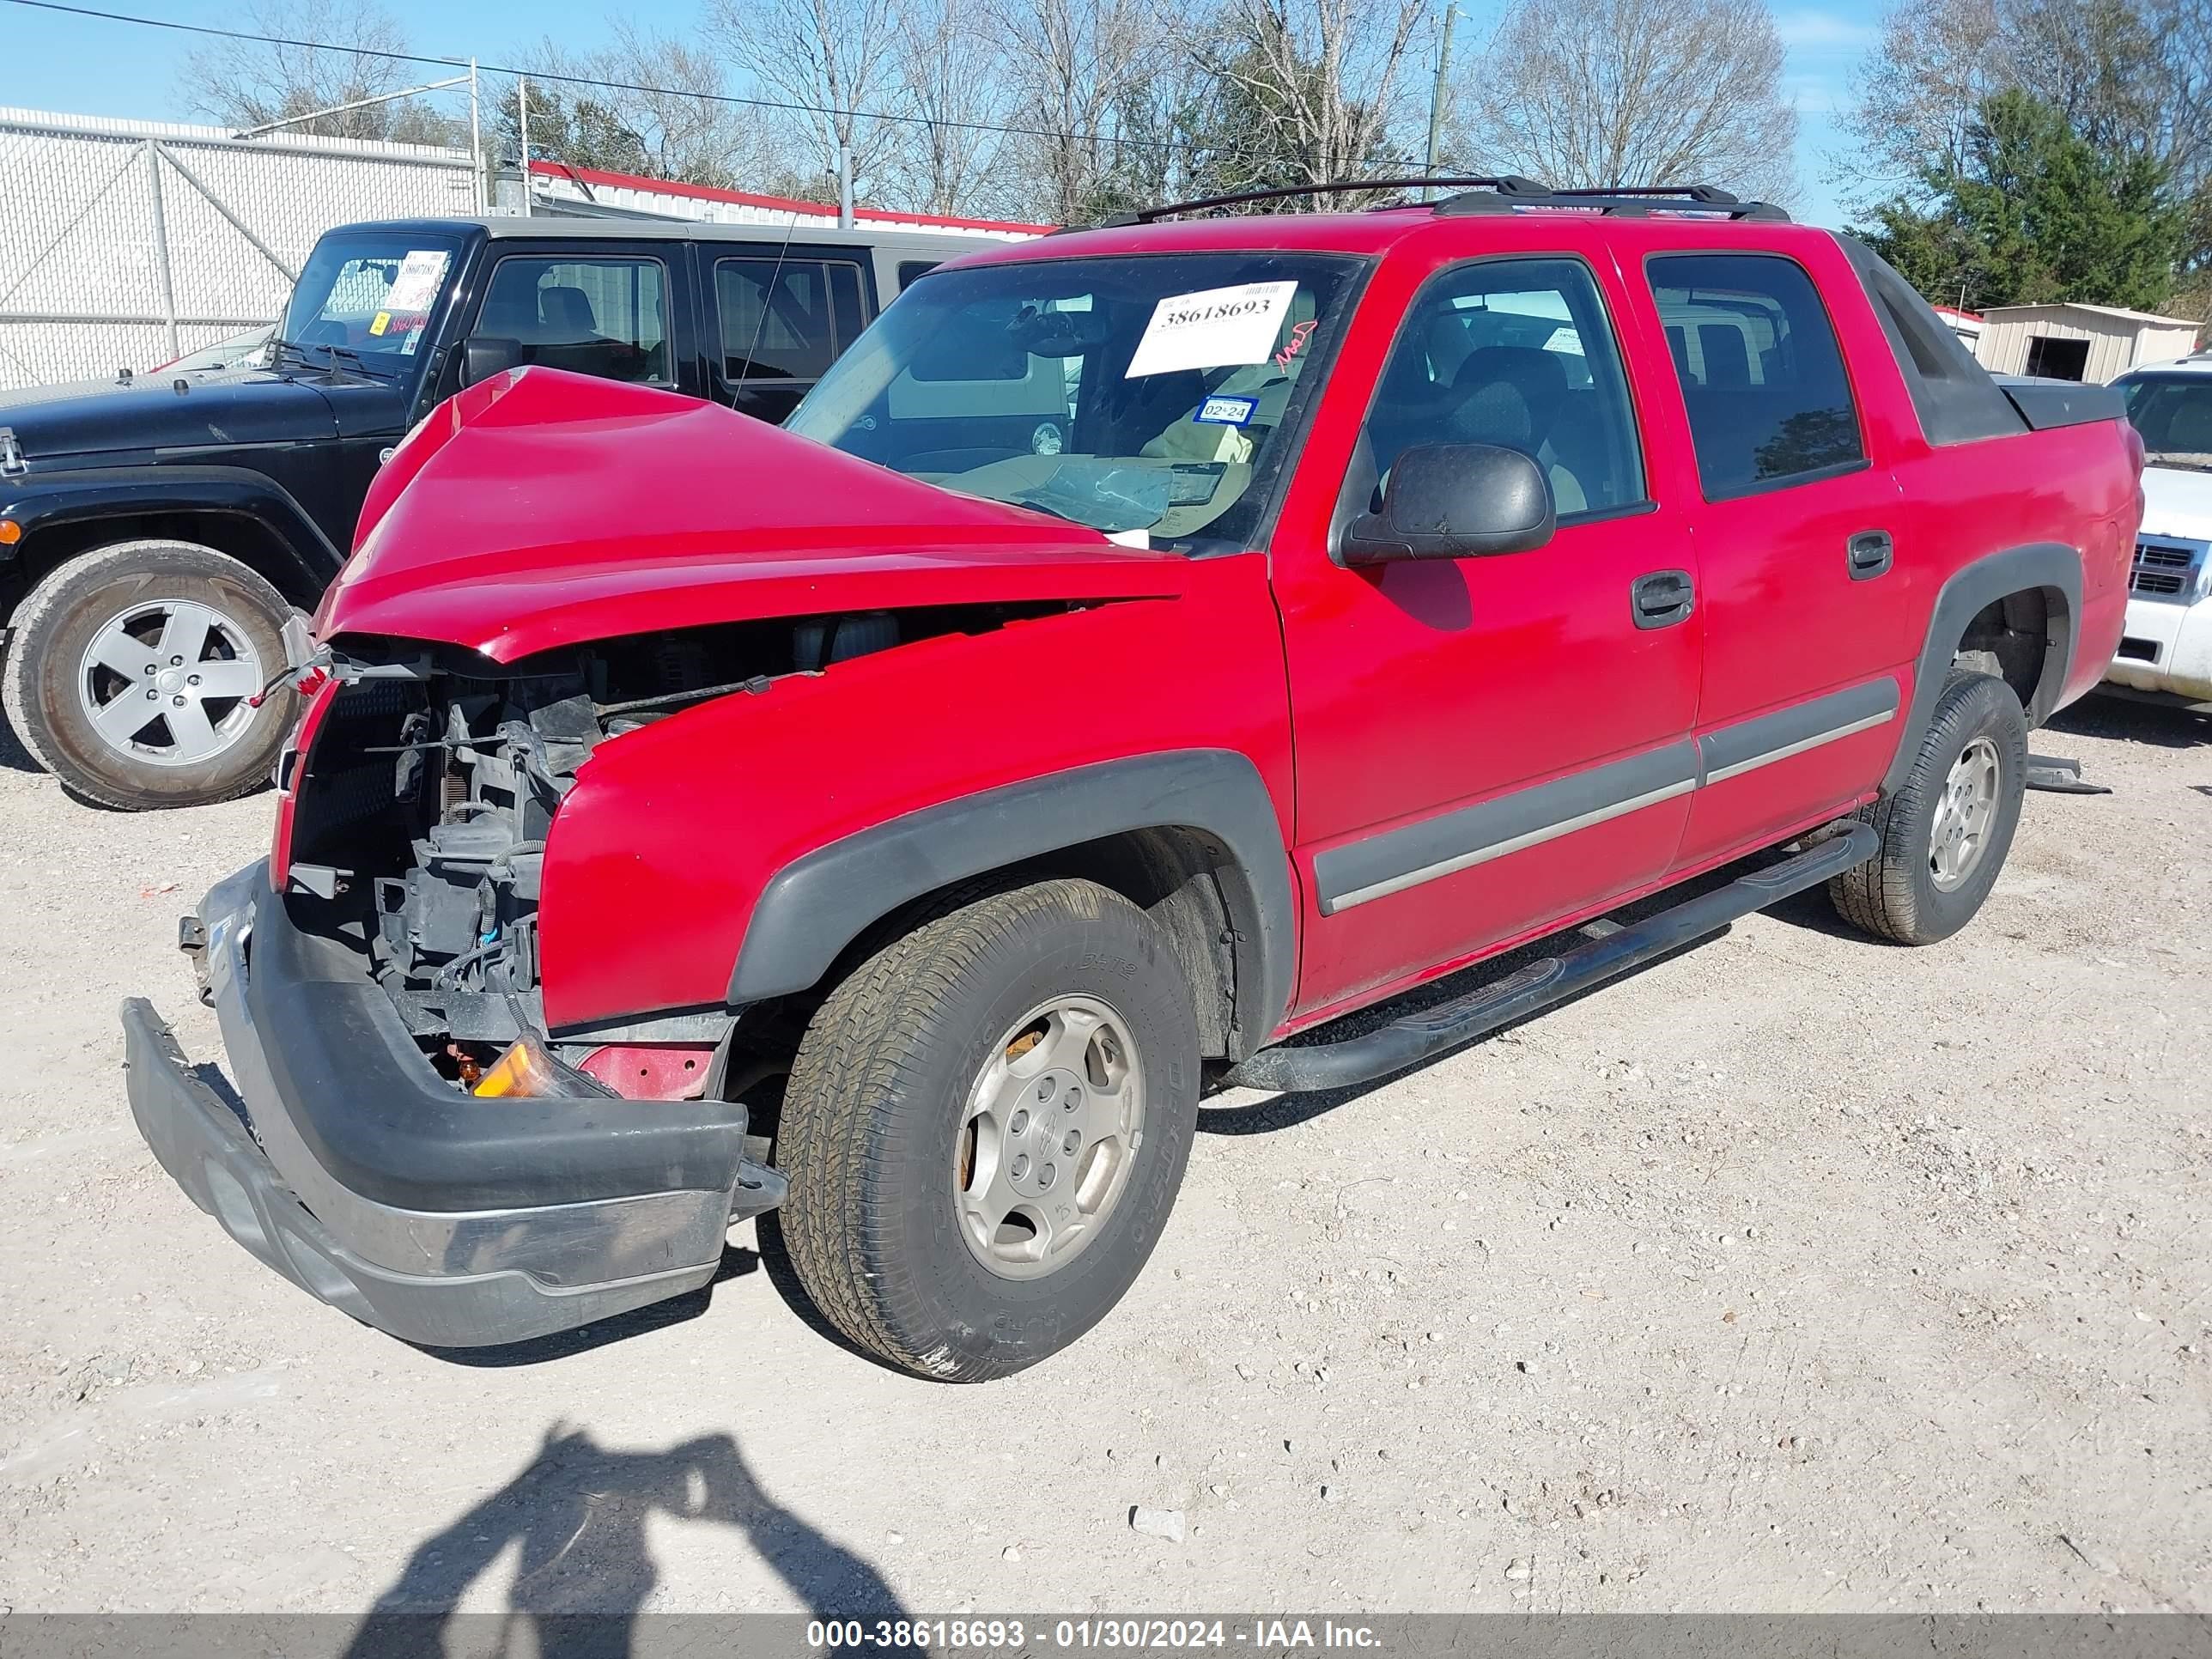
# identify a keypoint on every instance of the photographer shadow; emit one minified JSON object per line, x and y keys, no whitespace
{"x":580,"y":1514}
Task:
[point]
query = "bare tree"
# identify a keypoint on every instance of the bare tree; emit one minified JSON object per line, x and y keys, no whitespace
{"x":668,"y":91}
{"x":1081,"y":73}
{"x":2130,"y":76}
{"x":1634,"y":92}
{"x":1919,"y":89}
{"x":835,"y":58}
{"x":1320,"y":85}
{"x":647,"y":103}
{"x":945,"y":159}
{"x":247,"y":83}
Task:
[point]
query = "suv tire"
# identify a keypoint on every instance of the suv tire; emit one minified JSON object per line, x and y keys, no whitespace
{"x":1946,"y":830}
{"x":87,"y":637}
{"x":934,"y":1217}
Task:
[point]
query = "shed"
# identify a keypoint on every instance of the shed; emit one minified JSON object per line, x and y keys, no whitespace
{"x":1967,"y":325}
{"x":2070,"y":341}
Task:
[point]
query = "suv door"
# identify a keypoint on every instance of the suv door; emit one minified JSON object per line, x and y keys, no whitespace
{"x":1794,"y":523}
{"x":780,"y":319}
{"x":1488,"y":745}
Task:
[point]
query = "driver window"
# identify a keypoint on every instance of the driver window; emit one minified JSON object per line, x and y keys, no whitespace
{"x":603,"y":317}
{"x":1517,"y":353}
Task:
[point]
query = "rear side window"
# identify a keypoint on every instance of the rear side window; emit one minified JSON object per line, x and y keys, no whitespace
{"x":912,"y":270}
{"x":1762,"y":376}
{"x":785,"y":319}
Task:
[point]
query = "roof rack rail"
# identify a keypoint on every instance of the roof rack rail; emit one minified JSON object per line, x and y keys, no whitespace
{"x":1624,"y":199}
{"x":1507,"y":185}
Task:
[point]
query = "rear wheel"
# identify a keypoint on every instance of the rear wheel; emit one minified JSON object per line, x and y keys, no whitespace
{"x":131,"y":671}
{"x":1946,"y":830}
{"x":986,"y":1127}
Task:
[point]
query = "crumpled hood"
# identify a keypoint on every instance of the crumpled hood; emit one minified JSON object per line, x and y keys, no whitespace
{"x":146,"y":414}
{"x":541,"y":508}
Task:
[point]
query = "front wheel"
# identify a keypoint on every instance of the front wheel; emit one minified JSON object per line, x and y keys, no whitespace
{"x":985,"y":1129}
{"x":132,"y":671}
{"x":1946,"y":830}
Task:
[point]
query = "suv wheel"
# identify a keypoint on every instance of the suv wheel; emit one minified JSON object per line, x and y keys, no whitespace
{"x":1946,"y":832}
{"x":985,"y":1127}
{"x":132,"y":668}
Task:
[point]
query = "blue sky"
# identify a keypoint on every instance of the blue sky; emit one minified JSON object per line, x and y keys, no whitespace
{"x":50,"y":61}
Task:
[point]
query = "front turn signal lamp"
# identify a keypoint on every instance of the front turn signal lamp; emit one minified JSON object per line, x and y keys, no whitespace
{"x":528,"y":1070}
{"x":10,"y":532}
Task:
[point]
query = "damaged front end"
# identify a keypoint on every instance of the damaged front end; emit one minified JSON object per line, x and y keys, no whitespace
{"x":419,"y":820}
{"x":374,"y":979}
{"x":417,"y":815}
{"x":410,"y":1141}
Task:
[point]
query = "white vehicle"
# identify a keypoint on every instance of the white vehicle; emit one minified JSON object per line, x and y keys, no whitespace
{"x":2166,"y":648}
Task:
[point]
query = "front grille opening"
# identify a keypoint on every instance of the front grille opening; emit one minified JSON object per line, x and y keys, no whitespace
{"x":2139,"y":650}
{"x":2160,"y":571}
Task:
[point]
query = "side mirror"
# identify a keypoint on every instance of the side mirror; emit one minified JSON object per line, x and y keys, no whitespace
{"x":483,"y":355}
{"x":1454,"y":501}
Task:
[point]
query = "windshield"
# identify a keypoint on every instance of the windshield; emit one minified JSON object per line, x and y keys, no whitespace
{"x":2173,"y":413}
{"x":366,"y":298}
{"x":1149,"y":396}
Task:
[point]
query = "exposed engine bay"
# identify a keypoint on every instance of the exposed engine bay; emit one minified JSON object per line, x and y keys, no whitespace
{"x":423,"y":805}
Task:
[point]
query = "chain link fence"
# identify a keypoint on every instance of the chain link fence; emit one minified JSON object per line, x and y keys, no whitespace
{"x":131,"y":243}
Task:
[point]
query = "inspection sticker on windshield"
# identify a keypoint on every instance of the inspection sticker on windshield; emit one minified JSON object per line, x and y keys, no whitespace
{"x":1213,"y":328}
{"x":416,"y":287}
{"x":1227,"y":411}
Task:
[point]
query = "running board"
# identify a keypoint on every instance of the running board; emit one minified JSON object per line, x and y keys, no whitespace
{"x":1432,"y":1031}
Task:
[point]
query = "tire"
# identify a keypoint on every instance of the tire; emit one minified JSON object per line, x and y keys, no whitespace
{"x":877,"y":1138}
{"x":120,"y":602}
{"x":1912,"y":891}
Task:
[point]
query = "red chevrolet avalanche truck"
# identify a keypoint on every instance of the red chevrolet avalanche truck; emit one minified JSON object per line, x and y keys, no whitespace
{"x":1147,"y":646}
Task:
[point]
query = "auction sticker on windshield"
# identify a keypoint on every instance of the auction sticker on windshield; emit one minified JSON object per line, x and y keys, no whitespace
{"x":1213,"y":328}
{"x":416,"y":287}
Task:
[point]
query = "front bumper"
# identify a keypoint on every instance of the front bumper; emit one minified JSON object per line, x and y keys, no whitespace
{"x":2165,"y":648}
{"x":353,"y":1171}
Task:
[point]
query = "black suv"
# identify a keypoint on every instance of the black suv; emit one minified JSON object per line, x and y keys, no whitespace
{"x":157,"y":532}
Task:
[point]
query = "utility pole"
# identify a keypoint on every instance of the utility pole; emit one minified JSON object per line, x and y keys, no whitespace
{"x":522,"y":101}
{"x":844,"y":182}
{"x":476,"y":140}
{"x":1437,"y":93}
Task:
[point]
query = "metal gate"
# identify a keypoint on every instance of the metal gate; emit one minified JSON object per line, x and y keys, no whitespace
{"x":131,"y":243}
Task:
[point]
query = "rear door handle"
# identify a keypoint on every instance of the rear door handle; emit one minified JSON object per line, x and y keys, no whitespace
{"x":1869,"y":554}
{"x":1662,"y":599}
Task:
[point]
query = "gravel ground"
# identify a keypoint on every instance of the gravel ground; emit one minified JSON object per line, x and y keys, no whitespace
{"x":1794,"y":1274}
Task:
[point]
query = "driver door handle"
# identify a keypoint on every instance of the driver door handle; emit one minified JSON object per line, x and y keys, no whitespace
{"x":1662,"y":599}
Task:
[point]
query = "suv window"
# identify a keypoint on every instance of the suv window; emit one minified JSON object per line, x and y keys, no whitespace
{"x":1518,"y":353}
{"x":785,"y":319}
{"x":911,"y":270}
{"x":1762,"y":376}
{"x":604,"y":317}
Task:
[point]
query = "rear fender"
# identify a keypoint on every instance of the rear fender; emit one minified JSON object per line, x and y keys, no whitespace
{"x":2053,"y":567}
